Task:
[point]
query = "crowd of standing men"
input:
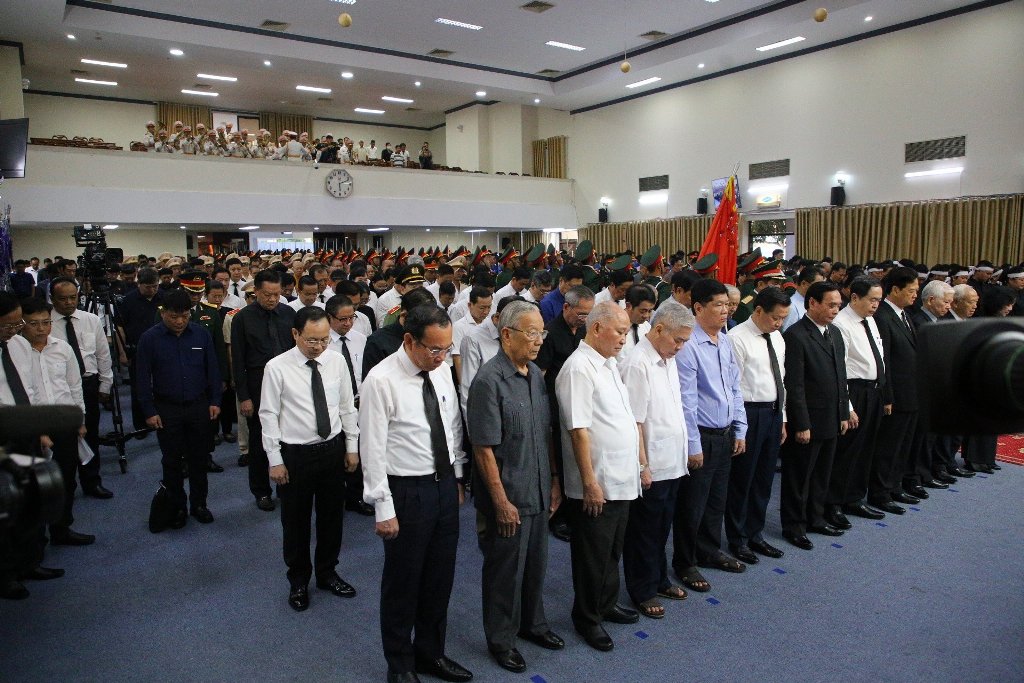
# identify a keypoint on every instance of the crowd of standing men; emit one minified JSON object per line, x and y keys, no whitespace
{"x":615,"y":411}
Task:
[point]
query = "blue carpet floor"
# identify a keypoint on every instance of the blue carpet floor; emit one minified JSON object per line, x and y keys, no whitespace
{"x":935,"y":595}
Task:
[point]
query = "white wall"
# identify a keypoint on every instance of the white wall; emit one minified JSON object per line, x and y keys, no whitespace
{"x":118,"y":122}
{"x":464,"y":139}
{"x":847,"y":109}
{"x":506,"y":137}
{"x":49,"y":242}
{"x":12,"y":104}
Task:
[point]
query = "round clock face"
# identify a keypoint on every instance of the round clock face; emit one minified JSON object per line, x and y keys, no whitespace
{"x":339,"y":183}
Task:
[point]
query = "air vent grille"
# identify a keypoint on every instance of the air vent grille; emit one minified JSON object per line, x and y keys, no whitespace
{"x":654,"y":182}
{"x":653,"y":35}
{"x":441,"y":53}
{"x":537,"y":6}
{"x":548,"y":72}
{"x":946,"y":148}
{"x":200,"y":86}
{"x":270,"y":25}
{"x":768,"y":169}
{"x":324,"y":99}
{"x":79,"y":72}
{"x":413,"y":109}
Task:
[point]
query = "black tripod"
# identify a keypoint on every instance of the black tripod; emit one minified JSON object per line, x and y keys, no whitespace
{"x":101,"y":304}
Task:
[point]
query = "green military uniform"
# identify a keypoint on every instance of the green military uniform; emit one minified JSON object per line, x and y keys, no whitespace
{"x":209,"y":317}
{"x":652,"y":261}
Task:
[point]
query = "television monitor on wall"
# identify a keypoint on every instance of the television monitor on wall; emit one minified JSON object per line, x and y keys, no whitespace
{"x":13,"y":147}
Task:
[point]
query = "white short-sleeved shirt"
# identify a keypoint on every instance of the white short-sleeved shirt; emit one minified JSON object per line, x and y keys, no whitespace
{"x":757,"y":384}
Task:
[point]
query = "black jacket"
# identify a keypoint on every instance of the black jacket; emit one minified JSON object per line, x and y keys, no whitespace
{"x":816,"y":394}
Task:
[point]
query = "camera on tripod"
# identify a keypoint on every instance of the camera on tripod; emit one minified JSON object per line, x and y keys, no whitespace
{"x":96,"y":258}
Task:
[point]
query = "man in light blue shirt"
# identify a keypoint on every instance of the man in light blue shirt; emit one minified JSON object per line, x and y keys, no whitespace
{"x":797,"y":304}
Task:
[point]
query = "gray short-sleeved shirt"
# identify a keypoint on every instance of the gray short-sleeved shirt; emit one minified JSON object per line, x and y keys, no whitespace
{"x":509,"y":412}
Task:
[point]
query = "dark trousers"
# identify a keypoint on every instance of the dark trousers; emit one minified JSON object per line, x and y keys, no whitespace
{"x":89,"y":473}
{"x":944,"y":448}
{"x":888,"y":462}
{"x":851,"y":469}
{"x":185,"y":436}
{"x":259,"y":467}
{"x":138,"y":415}
{"x":419,"y":570}
{"x":806,"y":469}
{"x":512,"y":580}
{"x":595,"y":550}
{"x":981,"y":449}
{"x":644,"y":561}
{"x":65,"y":454}
{"x":700,"y":506}
{"x":561,"y":515}
{"x":316,"y":478}
{"x":751,"y":475}
{"x":228,"y":414}
{"x":918,"y":466}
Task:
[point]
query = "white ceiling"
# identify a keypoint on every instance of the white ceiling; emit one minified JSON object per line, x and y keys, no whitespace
{"x":386,"y":48}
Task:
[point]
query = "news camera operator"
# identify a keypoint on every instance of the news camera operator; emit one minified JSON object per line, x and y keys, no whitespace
{"x":327,"y":151}
{"x":138,"y":311}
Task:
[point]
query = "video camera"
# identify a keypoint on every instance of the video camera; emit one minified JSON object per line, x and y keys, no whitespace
{"x":97,"y":258}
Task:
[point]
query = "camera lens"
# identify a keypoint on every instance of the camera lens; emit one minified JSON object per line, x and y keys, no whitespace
{"x":1000,"y":361}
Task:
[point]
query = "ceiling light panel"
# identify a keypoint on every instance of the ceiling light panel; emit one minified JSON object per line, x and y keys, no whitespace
{"x":781,"y":43}
{"x":401,"y":100}
{"x":310,"y":88}
{"x":214,"y":77}
{"x":204,"y":93}
{"x":364,"y":110}
{"x":565,"y":46}
{"x":459,"y":24}
{"x":94,"y":82}
{"x":97,"y":62}
{"x":646,"y":81}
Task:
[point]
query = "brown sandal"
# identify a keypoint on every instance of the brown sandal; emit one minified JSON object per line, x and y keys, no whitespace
{"x":652,"y":608}
{"x":673,"y":593}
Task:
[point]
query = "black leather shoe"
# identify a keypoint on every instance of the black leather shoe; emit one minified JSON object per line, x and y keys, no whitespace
{"x":12,"y":589}
{"x":217,"y":440}
{"x":404,"y":677}
{"x":944,"y":478}
{"x":916,"y":491}
{"x":765,"y":548}
{"x":744,"y":554}
{"x":337,"y":586}
{"x":243,"y":460}
{"x":995,"y":466}
{"x":445,"y":669}
{"x":800,"y":541}
{"x":359,"y":507}
{"x":596,"y":637}
{"x":863,"y":511}
{"x":960,"y":472}
{"x":212,"y":466}
{"x":298,"y":599}
{"x":825,"y":530}
{"x":266,"y":503}
{"x":229,"y":437}
{"x":42,"y":574}
{"x":548,"y":641}
{"x":622,"y":615}
{"x":977,"y":467}
{"x":510,"y":660}
{"x":203,"y":514}
{"x":890,"y":507}
{"x":906,"y":499}
{"x":180,"y":519}
{"x":71,"y":537}
{"x":837,"y":519}
{"x":98,"y":491}
{"x":935,"y":484}
{"x":561,"y":531}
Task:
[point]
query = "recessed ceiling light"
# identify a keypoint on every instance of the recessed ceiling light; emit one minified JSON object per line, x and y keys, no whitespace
{"x":286,"y":232}
{"x":316,"y":227}
{"x":89,"y":80}
{"x":701,"y":65}
{"x":346,"y":74}
{"x":377,"y":229}
{"x":428,"y":229}
{"x":364,"y":110}
{"x":182,"y":227}
{"x":417,"y":84}
{"x":71,"y":36}
{"x":250,"y":227}
{"x":214,"y":77}
{"x":565,"y":46}
{"x":402,"y":100}
{"x":176,"y":52}
{"x":868,"y":18}
{"x":200,"y":92}
{"x":781,"y":43}
{"x":460,"y":24}
{"x":646,"y":81}
{"x":266,"y":62}
{"x":477,"y":230}
{"x":310,"y":88}
{"x":345,"y":2}
{"x":536,"y":100}
{"x":116,"y":65}
{"x":111,"y":227}
{"x":481,"y":93}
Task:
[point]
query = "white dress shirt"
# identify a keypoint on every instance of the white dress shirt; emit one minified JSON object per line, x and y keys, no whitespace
{"x":356,"y":342}
{"x":21,"y":355}
{"x":860,"y":361}
{"x":627,"y":347}
{"x":528,"y":295}
{"x":385,"y":302}
{"x":297,"y":305}
{"x":646,"y":375}
{"x":460,"y":328}
{"x":362,"y":324}
{"x":286,"y":403}
{"x":92,"y":342}
{"x":54,"y":374}
{"x":324,"y":296}
{"x":506,"y":291}
{"x":230,"y":299}
{"x":393,"y":422}
{"x":477,"y":347}
{"x":591,"y":396}
{"x":757,"y":383}
{"x":606,"y":295}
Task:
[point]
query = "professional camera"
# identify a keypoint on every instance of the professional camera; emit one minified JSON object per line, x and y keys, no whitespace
{"x":97,"y":258}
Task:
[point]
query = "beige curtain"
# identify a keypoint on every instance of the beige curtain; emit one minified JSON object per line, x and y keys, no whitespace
{"x":189,"y":114}
{"x":551,"y":157}
{"x":540,"y":166}
{"x":276,"y":123}
{"x":682,"y":233}
{"x":962,"y":230}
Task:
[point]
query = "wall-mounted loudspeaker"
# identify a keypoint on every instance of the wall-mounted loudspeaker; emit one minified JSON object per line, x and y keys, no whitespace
{"x":702,"y":205}
{"x":838,"y":197}
{"x":602,"y":215}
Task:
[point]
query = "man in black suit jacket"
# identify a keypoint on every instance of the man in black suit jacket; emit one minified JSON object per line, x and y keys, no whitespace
{"x":898,"y":439}
{"x":817,"y":410}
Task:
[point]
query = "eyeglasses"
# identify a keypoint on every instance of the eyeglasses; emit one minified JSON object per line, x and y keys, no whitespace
{"x":38,"y":323}
{"x":316,"y":342}
{"x":434,"y":353}
{"x":532,"y":335}
{"x":13,"y":327}
{"x":344,"y":318}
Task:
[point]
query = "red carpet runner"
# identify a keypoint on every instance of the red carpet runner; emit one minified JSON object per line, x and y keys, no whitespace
{"x":1011,"y":449}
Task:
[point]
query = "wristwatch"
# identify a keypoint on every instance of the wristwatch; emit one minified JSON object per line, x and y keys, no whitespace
{"x":643,"y":467}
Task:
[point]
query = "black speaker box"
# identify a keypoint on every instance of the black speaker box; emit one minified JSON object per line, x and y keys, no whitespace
{"x":602,"y":215}
{"x":838,"y":196}
{"x":702,"y":205}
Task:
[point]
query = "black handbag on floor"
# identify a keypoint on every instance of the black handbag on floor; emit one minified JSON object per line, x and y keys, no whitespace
{"x":161,"y":511}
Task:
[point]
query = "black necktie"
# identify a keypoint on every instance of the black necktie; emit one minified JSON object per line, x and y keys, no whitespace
{"x":636,"y":334}
{"x":348,"y":362}
{"x":906,"y":321}
{"x":73,"y":341}
{"x":438,"y":440}
{"x":321,"y":298}
{"x":13,"y":378}
{"x":323,"y":420}
{"x":828,"y":341}
{"x":275,"y":342}
{"x":236,"y":289}
{"x":780,"y":390}
{"x":879,"y":365}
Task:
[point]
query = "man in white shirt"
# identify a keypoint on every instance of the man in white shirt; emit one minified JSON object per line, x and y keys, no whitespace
{"x":234,"y":298}
{"x":408,"y":278}
{"x":619,"y":283}
{"x":372,"y":153}
{"x":84,"y":332}
{"x":515,"y":287}
{"x":652,"y":380}
{"x":319,"y":273}
{"x":640,"y":302}
{"x":540,"y":285}
{"x":352,"y":292}
{"x":308,"y":414}
{"x":307,"y":292}
{"x":478,"y":347}
{"x":54,"y":372}
{"x":601,"y":452}
{"x":760,"y":354}
{"x":413,"y":460}
{"x":798,"y":306}
{"x":478,"y":306}
{"x":33,"y":268}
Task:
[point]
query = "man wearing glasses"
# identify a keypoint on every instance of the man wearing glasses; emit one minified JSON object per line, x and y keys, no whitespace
{"x":308,"y":413}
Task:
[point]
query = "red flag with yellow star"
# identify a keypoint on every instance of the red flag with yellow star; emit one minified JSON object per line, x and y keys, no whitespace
{"x":723,"y":235}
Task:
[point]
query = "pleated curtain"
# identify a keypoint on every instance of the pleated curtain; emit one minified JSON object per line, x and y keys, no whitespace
{"x":189,"y":114}
{"x":551,"y":157}
{"x":681,"y":233}
{"x":277,"y":123}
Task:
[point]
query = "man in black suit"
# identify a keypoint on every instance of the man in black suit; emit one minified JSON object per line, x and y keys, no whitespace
{"x":818,"y":412}
{"x":897,"y":437}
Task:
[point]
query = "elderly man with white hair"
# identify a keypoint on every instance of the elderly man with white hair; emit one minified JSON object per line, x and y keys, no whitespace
{"x":965,"y":302}
{"x":936,"y":300}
